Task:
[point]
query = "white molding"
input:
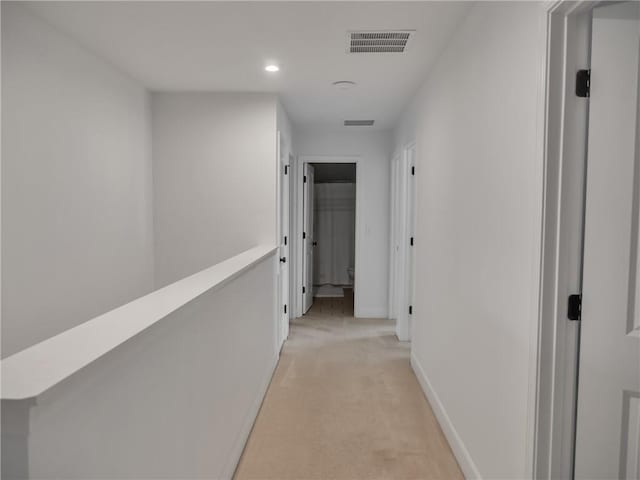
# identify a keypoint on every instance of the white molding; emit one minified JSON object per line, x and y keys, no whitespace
{"x":551,"y":449}
{"x":299,"y":221}
{"x":297,"y":236}
{"x":243,"y":436}
{"x":283,"y":226}
{"x":458,"y":447}
{"x":537,"y":224}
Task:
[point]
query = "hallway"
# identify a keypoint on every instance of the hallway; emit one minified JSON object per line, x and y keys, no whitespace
{"x":345,"y":404}
{"x":436,"y":184}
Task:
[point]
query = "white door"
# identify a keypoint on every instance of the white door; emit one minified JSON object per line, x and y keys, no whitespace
{"x":411,"y":225}
{"x":608,"y":419}
{"x":285,"y":258}
{"x":293,"y":255}
{"x":393,"y":240}
{"x":308,"y":238}
{"x":401,"y":247}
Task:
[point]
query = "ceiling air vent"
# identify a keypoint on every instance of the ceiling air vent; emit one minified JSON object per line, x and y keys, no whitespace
{"x":358,"y":123}
{"x":386,"y":41}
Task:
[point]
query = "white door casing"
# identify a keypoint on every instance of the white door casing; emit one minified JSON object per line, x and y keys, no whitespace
{"x":308,"y":236}
{"x":298,"y":227}
{"x":284,"y":238}
{"x":281,"y":304}
{"x":292,"y":260}
{"x":411,"y":229}
{"x":393,"y":246}
{"x":608,"y":416}
{"x":402,"y":224}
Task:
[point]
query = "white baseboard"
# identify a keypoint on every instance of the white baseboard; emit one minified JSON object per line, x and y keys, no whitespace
{"x":252,"y":414}
{"x":461,"y":453}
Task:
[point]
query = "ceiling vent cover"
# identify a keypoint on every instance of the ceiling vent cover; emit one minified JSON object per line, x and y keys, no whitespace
{"x":385,"y":41}
{"x":358,"y":123}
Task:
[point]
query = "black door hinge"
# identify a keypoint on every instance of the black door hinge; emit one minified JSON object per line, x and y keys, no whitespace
{"x":283,"y":259}
{"x":410,"y":309}
{"x":304,"y":235}
{"x":413,"y":170}
{"x":411,"y":241}
{"x":583,"y":83}
{"x":285,"y":239}
{"x":304,"y":179}
{"x":285,"y":308}
{"x":304,"y":290}
{"x":286,"y":169}
{"x":574,"y":307}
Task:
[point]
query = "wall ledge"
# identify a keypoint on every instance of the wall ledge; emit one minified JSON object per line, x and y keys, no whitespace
{"x":34,"y":370}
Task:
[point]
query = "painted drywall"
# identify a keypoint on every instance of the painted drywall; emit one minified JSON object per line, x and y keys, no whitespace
{"x":214,"y":178}
{"x":283,"y":125}
{"x":372,"y":246}
{"x":404,"y":132}
{"x":479,"y":198}
{"x":77,"y":234}
{"x":176,"y":401}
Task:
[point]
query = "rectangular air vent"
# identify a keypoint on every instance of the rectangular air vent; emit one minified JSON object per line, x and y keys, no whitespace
{"x":358,"y":123}
{"x":390,"y":41}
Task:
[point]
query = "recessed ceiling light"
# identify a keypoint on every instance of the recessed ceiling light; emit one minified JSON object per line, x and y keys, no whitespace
{"x":344,"y":84}
{"x":272,"y":68}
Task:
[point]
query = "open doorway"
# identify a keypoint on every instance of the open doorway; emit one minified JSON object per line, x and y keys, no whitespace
{"x":329,"y":236}
{"x":334,"y":232}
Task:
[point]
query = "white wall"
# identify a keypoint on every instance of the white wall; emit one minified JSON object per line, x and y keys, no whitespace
{"x":479,"y":180}
{"x":404,"y":132}
{"x":214,"y":177}
{"x":283,"y":124}
{"x":372,"y":247}
{"x":76,"y":183}
{"x":177,"y":401}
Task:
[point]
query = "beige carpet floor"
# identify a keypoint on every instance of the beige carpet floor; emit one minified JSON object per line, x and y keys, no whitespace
{"x":345,"y":404}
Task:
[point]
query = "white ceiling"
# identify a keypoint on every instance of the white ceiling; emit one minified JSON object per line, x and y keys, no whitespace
{"x":224,"y":46}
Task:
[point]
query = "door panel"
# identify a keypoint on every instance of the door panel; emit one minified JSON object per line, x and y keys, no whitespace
{"x":308,"y":196}
{"x":608,"y":423}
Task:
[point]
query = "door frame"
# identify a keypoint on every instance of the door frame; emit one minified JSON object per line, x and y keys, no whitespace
{"x":299,"y":222}
{"x":412,"y":202}
{"x":393,"y":175}
{"x":565,"y":142}
{"x":283,"y":201}
{"x":293,"y":298}
{"x":308,"y":237}
{"x":401,"y":268}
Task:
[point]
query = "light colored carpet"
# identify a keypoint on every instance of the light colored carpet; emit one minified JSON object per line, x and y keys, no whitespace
{"x":344,"y":403}
{"x":328,"y":291}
